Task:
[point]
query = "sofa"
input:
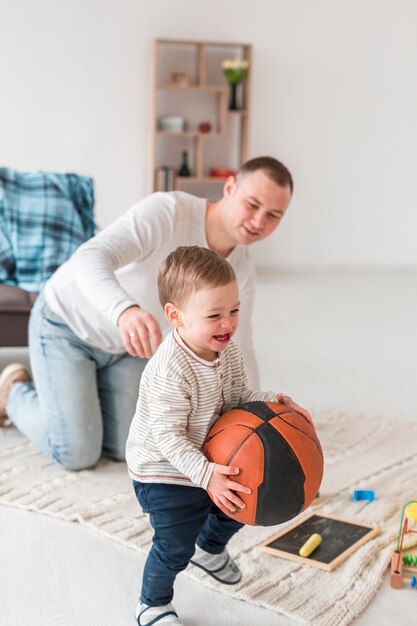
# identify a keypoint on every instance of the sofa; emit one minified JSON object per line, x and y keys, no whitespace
{"x":15,"y":306}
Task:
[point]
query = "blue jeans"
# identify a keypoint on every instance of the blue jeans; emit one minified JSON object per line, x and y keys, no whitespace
{"x":181,"y":517}
{"x":82,"y":400}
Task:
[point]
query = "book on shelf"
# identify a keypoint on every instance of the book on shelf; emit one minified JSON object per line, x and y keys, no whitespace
{"x":165,"y":178}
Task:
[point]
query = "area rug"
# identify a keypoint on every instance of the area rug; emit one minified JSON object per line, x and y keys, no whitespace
{"x":360,"y":453}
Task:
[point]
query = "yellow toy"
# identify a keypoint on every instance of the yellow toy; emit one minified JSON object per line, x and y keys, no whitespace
{"x":401,"y":563}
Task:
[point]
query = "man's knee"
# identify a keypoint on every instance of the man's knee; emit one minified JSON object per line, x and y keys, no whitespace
{"x":116,"y":450}
{"x":77,"y":459}
{"x":119,"y":455}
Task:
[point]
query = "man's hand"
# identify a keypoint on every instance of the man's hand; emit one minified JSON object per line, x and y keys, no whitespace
{"x":289,"y":402}
{"x":139,"y":331}
{"x":222,"y":489}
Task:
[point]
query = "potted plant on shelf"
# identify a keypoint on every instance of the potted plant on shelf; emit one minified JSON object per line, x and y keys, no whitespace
{"x":235,"y":71}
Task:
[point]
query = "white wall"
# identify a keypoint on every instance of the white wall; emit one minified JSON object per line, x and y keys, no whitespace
{"x":334,"y":95}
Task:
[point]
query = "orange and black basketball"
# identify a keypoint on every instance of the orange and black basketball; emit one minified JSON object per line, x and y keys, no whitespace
{"x":279,"y":457}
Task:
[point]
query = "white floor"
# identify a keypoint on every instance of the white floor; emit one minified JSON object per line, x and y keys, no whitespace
{"x":344,"y":341}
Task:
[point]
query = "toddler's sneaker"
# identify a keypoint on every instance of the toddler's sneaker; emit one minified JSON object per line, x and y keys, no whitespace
{"x":220,"y":566}
{"x":161,"y":615}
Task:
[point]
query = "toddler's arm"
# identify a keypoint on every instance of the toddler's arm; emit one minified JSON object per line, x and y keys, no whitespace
{"x":169,"y":413}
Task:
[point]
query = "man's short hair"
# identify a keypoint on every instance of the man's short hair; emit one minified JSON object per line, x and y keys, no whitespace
{"x":272,"y":168}
{"x":189,"y":269}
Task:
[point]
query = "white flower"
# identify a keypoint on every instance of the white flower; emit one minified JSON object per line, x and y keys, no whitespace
{"x":235,"y":64}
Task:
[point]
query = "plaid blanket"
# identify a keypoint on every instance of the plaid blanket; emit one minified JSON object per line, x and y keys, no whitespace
{"x":44,"y":217}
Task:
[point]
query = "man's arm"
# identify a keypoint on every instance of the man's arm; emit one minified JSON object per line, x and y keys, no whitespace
{"x":130,"y":238}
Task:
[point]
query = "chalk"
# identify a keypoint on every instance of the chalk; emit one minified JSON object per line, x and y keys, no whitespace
{"x":310,"y":545}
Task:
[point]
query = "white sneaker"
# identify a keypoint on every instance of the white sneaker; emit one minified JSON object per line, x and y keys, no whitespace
{"x":162,"y":615}
{"x":13,"y":373}
{"x":220,"y":566}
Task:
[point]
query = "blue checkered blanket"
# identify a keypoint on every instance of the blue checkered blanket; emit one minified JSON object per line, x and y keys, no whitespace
{"x":44,"y":217}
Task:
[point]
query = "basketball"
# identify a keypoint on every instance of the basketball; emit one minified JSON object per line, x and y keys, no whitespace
{"x":279,"y":457}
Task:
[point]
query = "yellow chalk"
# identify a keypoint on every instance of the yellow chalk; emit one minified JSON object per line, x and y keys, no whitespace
{"x":310,"y":545}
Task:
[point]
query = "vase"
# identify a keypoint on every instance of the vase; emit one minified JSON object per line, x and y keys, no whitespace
{"x":233,"y":97}
{"x":184,"y":169}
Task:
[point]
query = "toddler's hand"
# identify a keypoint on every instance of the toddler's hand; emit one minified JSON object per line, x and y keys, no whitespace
{"x":289,"y":402}
{"x":222,"y":488}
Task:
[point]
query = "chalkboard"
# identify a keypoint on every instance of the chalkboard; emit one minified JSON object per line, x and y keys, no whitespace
{"x":340,"y":537}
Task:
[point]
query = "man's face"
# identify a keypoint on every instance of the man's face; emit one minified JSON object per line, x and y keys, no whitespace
{"x":255,"y":207}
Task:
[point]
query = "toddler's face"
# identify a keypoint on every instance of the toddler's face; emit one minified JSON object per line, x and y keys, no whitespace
{"x":209,"y":319}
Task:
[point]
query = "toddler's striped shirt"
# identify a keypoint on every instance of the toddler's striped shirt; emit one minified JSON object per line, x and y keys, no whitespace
{"x":181,"y":396}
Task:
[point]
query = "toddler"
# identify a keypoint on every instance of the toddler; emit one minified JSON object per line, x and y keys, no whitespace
{"x":196,"y":375}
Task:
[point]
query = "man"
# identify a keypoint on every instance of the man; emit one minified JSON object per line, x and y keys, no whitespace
{"x":98,"y":318}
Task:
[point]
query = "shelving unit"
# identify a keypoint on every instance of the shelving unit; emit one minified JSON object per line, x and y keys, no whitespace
{"x":201,"y":95}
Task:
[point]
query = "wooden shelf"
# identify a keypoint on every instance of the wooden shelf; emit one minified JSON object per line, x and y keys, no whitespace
{"x":201,"y":179}
{"x":202,"y":88}
{"x":188,"y":133}
{"x":192,"y":42}
{"x":203,"y":98}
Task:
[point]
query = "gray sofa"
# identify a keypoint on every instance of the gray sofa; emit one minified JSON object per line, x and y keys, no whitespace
{"x":15,"y":306}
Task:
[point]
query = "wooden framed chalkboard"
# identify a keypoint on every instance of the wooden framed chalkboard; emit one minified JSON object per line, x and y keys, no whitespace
{"x":340,"y":537}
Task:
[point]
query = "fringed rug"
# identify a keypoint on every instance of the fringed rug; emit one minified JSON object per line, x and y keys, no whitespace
{"x":360,"y":453}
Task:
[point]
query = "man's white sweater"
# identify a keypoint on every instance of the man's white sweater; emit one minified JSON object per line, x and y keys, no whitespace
{"x":118,"y":268}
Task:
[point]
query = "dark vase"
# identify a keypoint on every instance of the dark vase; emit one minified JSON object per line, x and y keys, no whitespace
{"x":233,"y":97}
{"x":184,"y":169}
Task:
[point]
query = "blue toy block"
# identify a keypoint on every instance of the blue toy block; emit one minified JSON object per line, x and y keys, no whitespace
{"x":364,"y":494}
